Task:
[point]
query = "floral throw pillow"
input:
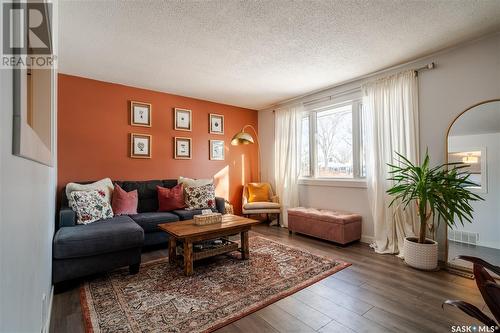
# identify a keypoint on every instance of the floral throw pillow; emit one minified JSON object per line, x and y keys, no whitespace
{"x":200,"y":197}
{"x":90,"y":206}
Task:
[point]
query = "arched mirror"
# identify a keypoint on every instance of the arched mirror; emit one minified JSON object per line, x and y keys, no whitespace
{"x":474,"y":139}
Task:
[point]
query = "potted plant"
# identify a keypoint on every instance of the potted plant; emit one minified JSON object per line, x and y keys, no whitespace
{"x":440,"y":193}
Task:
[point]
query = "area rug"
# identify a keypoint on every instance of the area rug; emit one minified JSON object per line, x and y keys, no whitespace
{"x":224,"y":289}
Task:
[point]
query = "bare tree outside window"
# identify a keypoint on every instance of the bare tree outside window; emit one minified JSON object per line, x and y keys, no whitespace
{"x":334,"y":142}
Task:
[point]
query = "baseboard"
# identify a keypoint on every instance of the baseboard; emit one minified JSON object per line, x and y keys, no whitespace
{"x":46,"y":325}
{"x":367,"y":239}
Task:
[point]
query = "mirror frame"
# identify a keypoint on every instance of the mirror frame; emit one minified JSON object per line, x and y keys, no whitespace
{"x":456,"y":269}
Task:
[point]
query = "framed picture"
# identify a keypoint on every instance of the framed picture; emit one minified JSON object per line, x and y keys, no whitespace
{"x":182,"y":149}
{"x":140,"y":114}
{"x":216,"y":123}
{"x":140,"y":145}
{"x":33,"y":114}
{"x":182,"y":119}
{"x":217,"y":150}
{"x":475,"y":161}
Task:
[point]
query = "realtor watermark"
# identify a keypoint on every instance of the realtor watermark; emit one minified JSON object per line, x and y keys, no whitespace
{"x":473,"y":329}
{"x":27,"y":34}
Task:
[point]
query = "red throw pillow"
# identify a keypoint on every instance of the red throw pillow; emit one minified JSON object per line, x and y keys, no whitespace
{"x":124,"y":203}
{"x":170,"y":198}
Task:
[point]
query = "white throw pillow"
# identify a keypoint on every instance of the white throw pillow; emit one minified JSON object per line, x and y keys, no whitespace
{"x":190,"y":182}
{"x":104,"y":185}
{"x":90,"y":206}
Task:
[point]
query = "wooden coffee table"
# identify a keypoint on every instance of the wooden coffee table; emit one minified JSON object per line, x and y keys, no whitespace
{"x":187,"y":232}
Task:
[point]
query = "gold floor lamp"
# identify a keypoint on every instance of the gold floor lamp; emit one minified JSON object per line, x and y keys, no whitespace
{"x":244,"y":138}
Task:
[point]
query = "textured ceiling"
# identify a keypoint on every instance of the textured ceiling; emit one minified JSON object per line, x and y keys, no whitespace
{"x":256,"y":53}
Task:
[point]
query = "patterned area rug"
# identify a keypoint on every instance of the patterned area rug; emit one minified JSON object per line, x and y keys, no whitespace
{"x":161,"y":299}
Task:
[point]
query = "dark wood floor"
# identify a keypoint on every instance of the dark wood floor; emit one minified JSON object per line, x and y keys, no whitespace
{"x":378,"y":293}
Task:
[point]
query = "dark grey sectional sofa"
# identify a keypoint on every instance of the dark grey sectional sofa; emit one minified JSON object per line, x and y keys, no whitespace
{"x":80,"y":250}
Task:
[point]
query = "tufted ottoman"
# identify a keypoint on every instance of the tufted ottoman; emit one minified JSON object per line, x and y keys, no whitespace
{"x":334,"y":226}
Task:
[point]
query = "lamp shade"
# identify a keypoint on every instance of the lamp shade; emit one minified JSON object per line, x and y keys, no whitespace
{"x":242,"y":138}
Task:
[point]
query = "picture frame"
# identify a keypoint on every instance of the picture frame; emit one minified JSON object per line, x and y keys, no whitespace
{"x":476,"y":161}
{"x":217,"y":150}
{"x":140,"y":114}
{"x":183,"y":120}
{"x":182,"y":148}
{"x":34,"y":123}
{"x":140,"y":145}
{"x":216,"y":123}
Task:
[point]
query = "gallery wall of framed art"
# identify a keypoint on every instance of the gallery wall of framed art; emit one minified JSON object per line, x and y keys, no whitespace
{"x":95,"y":119}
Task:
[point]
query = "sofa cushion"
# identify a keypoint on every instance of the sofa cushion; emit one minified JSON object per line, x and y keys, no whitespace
{"x":111,"y":235}
{"x":149,"y":221}
{"x":90,"y":206}
{"x":190,"y":182}
{"x":188,"y":214}
{"x":170,"y":198}
{"x":105,"y":185}
{"x":146,"y":190}
{"x":200,"y":197}
{"x":124,"y":203}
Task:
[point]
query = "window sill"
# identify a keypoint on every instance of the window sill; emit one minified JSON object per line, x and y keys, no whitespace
{"x":337,"y":182}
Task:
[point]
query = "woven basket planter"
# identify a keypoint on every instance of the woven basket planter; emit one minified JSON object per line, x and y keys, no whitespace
{"x":421,"y":256}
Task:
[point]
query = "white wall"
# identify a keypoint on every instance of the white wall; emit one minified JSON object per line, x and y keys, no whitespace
{"x":486,"y":213}
{"x":27,"y":211}
{"x":464,"y":76}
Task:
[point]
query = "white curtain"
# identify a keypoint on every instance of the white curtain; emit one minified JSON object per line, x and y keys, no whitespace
{"x":287,"y":131}
{"x":391,"y":110}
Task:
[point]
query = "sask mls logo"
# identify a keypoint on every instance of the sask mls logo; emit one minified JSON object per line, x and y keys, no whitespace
{"x":27,"y":34}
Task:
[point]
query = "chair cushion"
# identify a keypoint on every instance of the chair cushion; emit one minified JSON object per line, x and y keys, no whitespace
{"x":262,"y":205}
{"x":188,"y":214}
{"x":149,"y":221}
{"x":258,"y":192}
{"x":111,"y":235}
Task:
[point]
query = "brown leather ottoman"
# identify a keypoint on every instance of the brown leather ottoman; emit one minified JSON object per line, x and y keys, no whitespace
{"x":338,"y":227}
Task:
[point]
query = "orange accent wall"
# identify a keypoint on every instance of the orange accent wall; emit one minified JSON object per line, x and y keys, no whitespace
{"x":94,"y":129}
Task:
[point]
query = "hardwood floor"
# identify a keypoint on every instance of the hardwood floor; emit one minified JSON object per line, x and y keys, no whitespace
{"x":378,"y":293}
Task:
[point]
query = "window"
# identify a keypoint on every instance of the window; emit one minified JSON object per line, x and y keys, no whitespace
{"x":305,"y":162}
{"x":332,"y":142}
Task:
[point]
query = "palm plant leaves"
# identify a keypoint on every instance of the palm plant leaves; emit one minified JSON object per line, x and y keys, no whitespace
{"x":441,"y":191}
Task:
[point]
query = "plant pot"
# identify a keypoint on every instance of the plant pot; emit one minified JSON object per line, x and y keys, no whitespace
{"x":421,"y":256}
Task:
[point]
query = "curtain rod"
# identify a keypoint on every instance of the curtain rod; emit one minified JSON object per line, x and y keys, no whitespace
{"x":429,"y":66}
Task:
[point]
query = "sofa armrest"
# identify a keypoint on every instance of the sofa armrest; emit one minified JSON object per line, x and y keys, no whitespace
{"x":275,"y":198}
{"x":67,"y":217}
{"x":220,"y":205}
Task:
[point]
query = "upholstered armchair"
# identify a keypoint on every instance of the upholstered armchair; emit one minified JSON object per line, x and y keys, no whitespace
{"x":261,"y":207}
